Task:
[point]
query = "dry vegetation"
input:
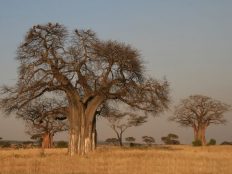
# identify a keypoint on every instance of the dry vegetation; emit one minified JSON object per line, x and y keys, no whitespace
{"x":165,"y":160}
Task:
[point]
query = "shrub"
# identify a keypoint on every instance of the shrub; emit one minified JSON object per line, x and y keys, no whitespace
{"x":6,"y":144}
{"x":197,"y":143}
{"x":226,"y":143}
{"x":211,"y":142}
{"x":61,"y":144}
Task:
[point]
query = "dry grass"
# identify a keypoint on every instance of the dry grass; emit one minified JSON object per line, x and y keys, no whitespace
{"x":165,"y":160}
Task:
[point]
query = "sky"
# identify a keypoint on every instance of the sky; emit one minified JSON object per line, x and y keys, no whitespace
{"x":187,"y":41}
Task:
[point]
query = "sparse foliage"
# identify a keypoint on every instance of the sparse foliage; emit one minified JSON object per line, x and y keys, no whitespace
{"x":130,"y":139}
{"x":86,"y":72}
{"x":121,"y":121}
{"x":114,"y":141}
{"x":199,"y":112}
{"x":148,"y":140}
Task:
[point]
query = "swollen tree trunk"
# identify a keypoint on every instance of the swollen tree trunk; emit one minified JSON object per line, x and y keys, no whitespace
{"x":199,"y":134}
{"x":203,"y":140}
{"x":47,"y":140}
{"x":82,"y":125}
{"x":74,"y":130}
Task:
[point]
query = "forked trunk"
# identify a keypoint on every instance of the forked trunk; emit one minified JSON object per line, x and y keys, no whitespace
{"x":82,"y":127}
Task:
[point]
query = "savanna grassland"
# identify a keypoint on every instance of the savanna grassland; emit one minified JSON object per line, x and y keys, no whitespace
{"x":111,"y":160}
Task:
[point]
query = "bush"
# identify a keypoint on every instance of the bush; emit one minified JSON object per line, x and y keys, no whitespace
{"x":197,"y":143}
{"x":211,"y":142}
{"x":6,"y":144}
{"x":226,"y":143}
{"x":61,"y":144}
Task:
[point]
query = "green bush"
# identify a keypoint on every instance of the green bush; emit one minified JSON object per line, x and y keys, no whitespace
{"x":197,"y":143}
{"x":61,"y":144}
{"x":211,"y":142}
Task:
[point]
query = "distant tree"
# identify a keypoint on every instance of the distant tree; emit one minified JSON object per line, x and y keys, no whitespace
{"x":171,"y":139}
{"x":226,"y":143}
{"x":0,"y":138}
{"x":130,"y":140}
{"x":121,"y":121}
{"x":114,"y":141}
{"x":44,"y":118}
{"x":148,"y":140}
{"x":199,"y":112}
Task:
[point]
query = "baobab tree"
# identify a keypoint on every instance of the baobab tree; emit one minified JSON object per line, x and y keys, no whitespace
{"x":44,"y":118}
{"x":121,"y":121}
{"x":198,"y":112}
{"x":87,"y":72}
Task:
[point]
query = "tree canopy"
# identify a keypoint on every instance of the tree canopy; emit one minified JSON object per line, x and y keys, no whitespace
{"x":86,"y":72}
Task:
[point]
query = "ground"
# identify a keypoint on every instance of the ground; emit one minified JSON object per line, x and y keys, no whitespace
{"x":113,"y":160}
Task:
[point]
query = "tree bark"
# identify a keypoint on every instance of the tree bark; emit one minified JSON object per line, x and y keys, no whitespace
{"x":199,"y":134}
{"x":82,"y":126}
{"x":74,"y":130}
{"x":47,"y":140}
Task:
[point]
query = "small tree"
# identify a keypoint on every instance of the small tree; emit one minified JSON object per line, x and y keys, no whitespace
{"x":148,"y":140}
{"x":199,"y":112}
{"x":121,"y":121}
{"x":44,"y":118}
{"x":171,"y":139}
{"x":130,"y":140}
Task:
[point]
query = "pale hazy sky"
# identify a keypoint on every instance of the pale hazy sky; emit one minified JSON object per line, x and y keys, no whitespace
{"x":187,"y":41}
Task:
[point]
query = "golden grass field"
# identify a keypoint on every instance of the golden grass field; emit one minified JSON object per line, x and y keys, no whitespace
{"x":111,"y":160}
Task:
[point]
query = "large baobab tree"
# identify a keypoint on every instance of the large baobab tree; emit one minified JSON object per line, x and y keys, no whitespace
{"x":44,"y":118}
{"x":199,"y":112}
{"x":87,"y":72}
{"x":121,"y":121}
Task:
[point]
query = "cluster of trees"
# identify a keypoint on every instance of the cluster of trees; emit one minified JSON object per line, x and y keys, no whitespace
{"x":86,"y":74}
{"x":66,"y":80}
{"x":131,"y":140}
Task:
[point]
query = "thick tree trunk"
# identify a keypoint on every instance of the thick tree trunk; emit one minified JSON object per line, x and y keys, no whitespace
{"x":74,"y":129}
{"x":82,"y":126}
{"x":203,"y":140}
{"x":47,"y":140}
{"x":199,"y":134}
